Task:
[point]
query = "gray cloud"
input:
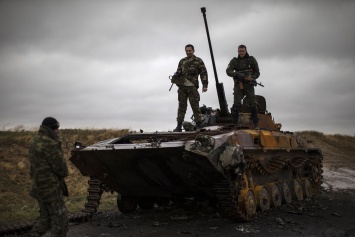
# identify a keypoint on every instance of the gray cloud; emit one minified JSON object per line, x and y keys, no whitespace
{"x":106,"y":64}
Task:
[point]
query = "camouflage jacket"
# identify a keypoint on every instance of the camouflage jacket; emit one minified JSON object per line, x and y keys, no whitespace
{"x":190,"y":69}
{"x":248,"y":63}
{"x":47,"y":166}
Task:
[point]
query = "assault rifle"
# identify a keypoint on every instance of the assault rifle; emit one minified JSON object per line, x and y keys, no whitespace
{"x":241,"y":78}
{"x":174,"y":79}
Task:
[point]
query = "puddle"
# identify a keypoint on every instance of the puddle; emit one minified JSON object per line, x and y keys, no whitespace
{"x":341,"y":178}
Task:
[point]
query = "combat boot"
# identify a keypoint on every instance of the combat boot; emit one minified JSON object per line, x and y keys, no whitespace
{"x":178,"y":127}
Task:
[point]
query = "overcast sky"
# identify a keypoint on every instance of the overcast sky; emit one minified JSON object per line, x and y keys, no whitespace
{"x":105,"y":64}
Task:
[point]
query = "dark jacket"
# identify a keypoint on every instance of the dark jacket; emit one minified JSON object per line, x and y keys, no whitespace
{"x":248,"y":63}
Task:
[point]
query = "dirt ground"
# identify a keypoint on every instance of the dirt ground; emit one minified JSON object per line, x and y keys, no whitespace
{"x":332,"y":213}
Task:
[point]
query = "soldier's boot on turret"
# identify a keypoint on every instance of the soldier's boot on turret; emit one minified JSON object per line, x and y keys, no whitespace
{"x":235,"y":115}
{"x":254,"y":117}
{"x":178,"y":127}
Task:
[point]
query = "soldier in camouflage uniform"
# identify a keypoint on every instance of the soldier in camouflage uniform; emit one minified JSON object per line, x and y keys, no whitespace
{"x":188,"y":70}
{"x":47,"y":170}
{"x":244,"y":69}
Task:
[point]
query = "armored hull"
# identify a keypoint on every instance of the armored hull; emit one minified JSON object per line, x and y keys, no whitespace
{"x":243,"y":169}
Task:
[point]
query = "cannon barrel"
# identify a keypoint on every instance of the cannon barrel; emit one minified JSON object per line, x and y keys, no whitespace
{"x":219,"y":86}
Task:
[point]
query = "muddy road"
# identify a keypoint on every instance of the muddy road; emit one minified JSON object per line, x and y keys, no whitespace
{"x":332,"y":213}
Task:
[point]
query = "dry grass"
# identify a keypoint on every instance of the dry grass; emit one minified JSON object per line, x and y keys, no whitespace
{"x":15,"y":202}
{"x":333,"y":146}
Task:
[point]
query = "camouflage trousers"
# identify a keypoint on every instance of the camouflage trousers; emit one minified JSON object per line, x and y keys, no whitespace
{"x":239,"y":94}
{"x":191,"y":93}
{"x":249,"y":93}
{"x":54,"y":217}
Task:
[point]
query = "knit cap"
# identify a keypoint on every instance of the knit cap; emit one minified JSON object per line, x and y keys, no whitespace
{"x":51,"y":123}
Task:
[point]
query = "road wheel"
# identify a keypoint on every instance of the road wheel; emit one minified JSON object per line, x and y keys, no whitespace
{"x":274,"y":192}
{"x":286,"y":192}
{"x":262,"y":198}
{"x":297,"y":193}
{"x":247,"y":203}
{"x":307,"y":189}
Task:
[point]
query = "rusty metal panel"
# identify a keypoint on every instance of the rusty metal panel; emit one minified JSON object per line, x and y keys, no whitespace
{"x":246,"y":138}
{"x":283,"y":140}
{"x":266,"y":122}
{"x":267,"y":139}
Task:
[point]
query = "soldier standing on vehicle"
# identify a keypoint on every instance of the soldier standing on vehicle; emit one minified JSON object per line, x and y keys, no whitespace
{"x":244,"y":71}
{"x":47,"y":170}
{"x":186,"y":79}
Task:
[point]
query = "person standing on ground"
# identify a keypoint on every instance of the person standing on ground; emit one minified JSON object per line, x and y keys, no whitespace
{"x":47,"y":170}
{"x":188,"y":70}
{"x":244,"y":71}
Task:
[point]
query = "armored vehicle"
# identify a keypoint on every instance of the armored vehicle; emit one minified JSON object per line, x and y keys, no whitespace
{"x":243,"y":170}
